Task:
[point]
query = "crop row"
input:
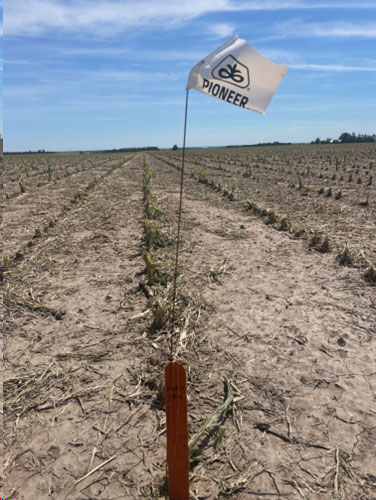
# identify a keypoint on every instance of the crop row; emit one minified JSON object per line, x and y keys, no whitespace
{"x":355,"y":178}
{"x":327,"y":224}
{"x":32,"y":172}
{"x":28,"y":217}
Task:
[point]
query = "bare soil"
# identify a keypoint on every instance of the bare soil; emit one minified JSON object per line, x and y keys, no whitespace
{"x":292,"y":330}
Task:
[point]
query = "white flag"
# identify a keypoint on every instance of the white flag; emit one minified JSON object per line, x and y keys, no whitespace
{"x":238,"y":74}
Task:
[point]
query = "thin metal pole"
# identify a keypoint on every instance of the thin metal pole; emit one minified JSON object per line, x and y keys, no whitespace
{"x":179,"y":229}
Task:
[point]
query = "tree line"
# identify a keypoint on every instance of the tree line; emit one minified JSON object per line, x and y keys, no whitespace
{"x":346,"y":137}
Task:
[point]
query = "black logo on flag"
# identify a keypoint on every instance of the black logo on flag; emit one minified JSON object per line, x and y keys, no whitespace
{"x":232,"y":71}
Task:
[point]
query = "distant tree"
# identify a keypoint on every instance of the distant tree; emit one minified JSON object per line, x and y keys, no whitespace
{"x":349,"y":138}
{"x":346,"y":137}
{"x":174,"y":147}
{"x":318,"y":141}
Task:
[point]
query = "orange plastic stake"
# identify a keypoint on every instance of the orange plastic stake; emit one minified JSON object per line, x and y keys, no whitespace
{"x":177,"y":431}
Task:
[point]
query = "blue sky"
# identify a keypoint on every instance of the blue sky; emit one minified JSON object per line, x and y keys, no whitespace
{"x":94,"y":74}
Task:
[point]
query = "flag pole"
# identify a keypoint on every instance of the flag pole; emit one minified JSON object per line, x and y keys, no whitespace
{"x":179,"y":230}
{"x":177,"y":459}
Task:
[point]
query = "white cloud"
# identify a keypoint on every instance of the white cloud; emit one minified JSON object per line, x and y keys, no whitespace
{"x":221,"y":30}
{"x":147,"y":78}
{"x":143,"y":55}
{"x":299,"y":5}
{"x":105,"y":103}
{"x":16,"y":61}
{"x":280,"y":56}
{"x":338,"y":29}
{"x":27,"y":92}
{"x":332,"y":67}
{"x":108,"y":17}
{"x":97,"y":83}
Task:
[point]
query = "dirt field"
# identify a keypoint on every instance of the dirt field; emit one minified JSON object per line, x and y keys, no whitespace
{"x":263,"y":305}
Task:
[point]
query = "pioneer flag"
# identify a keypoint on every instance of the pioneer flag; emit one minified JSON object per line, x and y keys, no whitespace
{"x":235,"y":72}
